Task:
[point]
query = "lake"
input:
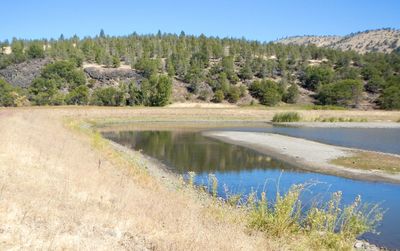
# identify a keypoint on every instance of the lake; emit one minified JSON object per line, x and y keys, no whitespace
{"x":242,"y":170}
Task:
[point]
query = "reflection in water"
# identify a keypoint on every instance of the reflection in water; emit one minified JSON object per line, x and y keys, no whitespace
{"x":242,"y":169}
{"x":188,"y":151}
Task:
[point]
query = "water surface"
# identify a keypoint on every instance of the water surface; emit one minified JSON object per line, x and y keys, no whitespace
{"x":242,"y":170}
{"x":375,"y":139}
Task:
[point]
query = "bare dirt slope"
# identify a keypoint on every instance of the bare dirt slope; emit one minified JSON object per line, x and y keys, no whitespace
{"x":58,"y":192}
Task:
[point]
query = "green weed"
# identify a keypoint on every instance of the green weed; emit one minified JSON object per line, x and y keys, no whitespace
{"x":286,"y":117}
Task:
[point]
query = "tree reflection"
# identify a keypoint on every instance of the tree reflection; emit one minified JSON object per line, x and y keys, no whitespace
{"x":191,"y":151}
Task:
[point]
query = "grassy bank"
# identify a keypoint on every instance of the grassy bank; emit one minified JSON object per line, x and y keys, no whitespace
{"x":371,"y":161}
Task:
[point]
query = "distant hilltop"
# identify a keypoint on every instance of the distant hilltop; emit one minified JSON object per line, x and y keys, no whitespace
{"x":381,"y":40}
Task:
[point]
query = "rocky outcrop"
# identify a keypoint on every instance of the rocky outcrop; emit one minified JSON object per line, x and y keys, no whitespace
{"x":22,"y":75}
{"x":110,"y":76}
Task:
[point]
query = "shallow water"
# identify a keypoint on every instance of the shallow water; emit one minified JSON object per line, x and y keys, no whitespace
{"x":241,"y":170}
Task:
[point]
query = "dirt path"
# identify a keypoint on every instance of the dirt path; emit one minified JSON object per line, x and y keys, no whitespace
{"x":306,"y":154}
{"x":58,"y":192}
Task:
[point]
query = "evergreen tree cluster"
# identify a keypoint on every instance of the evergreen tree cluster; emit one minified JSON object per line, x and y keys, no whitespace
{"x":270,"y":72}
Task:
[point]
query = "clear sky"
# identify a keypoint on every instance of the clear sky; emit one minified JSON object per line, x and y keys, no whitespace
{"x":263,"y":20}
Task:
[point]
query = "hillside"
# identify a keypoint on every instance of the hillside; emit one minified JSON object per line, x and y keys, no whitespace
{"x":382,"y":40}
{"x":156,"y":70}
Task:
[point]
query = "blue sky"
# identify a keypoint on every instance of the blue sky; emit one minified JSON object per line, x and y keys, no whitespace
{"x":252,"y":19}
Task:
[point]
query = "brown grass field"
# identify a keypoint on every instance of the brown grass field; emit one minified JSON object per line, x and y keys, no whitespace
{"x":63,"y":187}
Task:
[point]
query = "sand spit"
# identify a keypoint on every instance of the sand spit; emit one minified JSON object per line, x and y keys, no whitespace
{"x":306,"y":154}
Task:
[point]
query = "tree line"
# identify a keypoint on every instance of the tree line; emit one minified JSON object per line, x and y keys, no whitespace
{"x":229,"y":67}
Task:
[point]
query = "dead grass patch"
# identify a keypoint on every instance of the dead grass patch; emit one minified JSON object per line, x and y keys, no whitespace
{"x":370,"y":161}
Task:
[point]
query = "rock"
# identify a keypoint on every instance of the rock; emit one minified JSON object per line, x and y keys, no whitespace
{"x":22,"y":75}
{"x":359,"y":244}
{"x":365,"y":246}
{"x":104,"y":74}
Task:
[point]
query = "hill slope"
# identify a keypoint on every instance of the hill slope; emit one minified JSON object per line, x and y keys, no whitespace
{"x":382,"y":40}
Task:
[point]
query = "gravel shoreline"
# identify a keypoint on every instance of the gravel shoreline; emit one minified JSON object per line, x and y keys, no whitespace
{"x":343,"y":124}
{"x":305,"y":154}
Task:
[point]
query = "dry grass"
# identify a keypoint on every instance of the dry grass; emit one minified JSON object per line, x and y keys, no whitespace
{"x":370,"y":161}
{"x":70,"y":189}
{"x":66,"y":190}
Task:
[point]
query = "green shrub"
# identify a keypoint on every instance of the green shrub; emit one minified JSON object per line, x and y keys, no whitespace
{"x":218,"y":96}
{"x":292,"y":94}
{"x":108,"y":96}
{"x":234,"y":94}
{"x":7,"y":94}
{"x":330,"y":226}
{"x":283,"y":217}
{"x":286,"y":117}
{"x":43,"y":91}
{"x":390,"y":97}
{"x":35,"y":50}
{"x":116,"y":62}
{"x":316,"y":76}
{"x":344,"y":93}
{"x":135,"y":94}
{"x":160,"y":90}
{"x":78,"y":96}
{"x":148,"y":66}
{"x":64,"y":73}
{"x":335,"y":227}
{"x":267,"y":91}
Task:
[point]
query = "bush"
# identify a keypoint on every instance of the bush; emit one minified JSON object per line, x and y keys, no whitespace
{"x":335,"y":227}
{"x":282,"y":218}
{"x":156,"y":91}
{"x":246,"y":72}
{"x":292,"y":94}
{"x":234,"y":94}
{"x":148,"y":66}
{"x":35,"y":50}
{"x":78,"y":96}
{"x":7,"y":94}
{"x":161,"y":90}
{"x":375,"y":84}
{"x":218,"y":96}
{"x":390,"y":97}
{"x":135,"y":94}
{"x":64,"y":73}
{"x":286,"y":117}
{"x":43,"y":91}
{"x":330,"y":226}
{"x":315,"y":76}
{"x":266,"y":91}
{"x":344,"y":93}
{"x":108,"y":96}
{"x":116,"y":62}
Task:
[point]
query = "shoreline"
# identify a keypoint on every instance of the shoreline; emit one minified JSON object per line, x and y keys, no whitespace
{"x":371,"y":125}
{"x":304,"y":154}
